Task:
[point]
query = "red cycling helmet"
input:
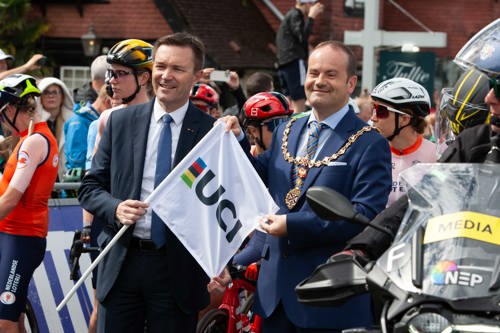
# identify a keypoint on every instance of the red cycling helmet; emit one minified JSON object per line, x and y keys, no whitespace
{"x":266,"y":105}
{"x":203,"y":92}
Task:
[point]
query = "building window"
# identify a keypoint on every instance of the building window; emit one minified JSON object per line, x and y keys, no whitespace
{"x":75,"y":76}
{"x":354,"y":8}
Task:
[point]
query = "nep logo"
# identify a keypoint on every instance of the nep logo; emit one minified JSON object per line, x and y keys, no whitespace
{"x":190,"y":175}
{"x":447,"y":272}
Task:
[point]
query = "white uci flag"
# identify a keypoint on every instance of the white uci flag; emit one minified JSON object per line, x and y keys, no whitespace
{"x":212,"y":200}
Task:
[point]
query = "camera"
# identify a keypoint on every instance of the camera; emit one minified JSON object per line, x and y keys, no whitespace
{"x":221,"y":76}
{"x":41,"y":61}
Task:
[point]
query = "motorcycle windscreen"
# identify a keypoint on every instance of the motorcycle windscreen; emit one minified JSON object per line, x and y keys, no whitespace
{"x":448,"y":244}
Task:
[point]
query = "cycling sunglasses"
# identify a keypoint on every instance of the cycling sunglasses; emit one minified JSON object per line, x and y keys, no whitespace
{"x":271,"y":124}
{"x":382,"y":111}
{"x":495,"y":85}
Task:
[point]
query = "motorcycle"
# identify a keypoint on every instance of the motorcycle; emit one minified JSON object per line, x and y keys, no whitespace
{"x":441,"y":274}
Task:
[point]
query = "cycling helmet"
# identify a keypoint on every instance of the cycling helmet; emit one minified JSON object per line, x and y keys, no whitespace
{"x":464,"y":104}
{"x":133,"y":53}
{"x":203,"y":92}
{"x":402,"y":93}
{"x":266,"y":105}
{"x":269,"y":108}
{"x":482,"y":51}
{"x":15,"y":89}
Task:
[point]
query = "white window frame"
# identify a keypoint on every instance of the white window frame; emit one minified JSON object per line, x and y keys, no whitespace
{"x":75,"y":76}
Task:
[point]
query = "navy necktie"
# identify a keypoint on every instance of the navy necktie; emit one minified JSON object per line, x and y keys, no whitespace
{"x":163,"y":165}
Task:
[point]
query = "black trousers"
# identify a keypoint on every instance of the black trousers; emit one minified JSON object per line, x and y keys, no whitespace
{"x":142,"y":296}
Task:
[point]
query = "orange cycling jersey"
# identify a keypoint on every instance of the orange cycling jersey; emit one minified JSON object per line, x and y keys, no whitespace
{"x":30,"y":217}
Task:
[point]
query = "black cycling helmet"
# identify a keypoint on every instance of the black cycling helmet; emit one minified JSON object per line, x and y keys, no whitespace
{"x":15,"y":90}
{"x":464,"y":104}
{"x":133,"y":53}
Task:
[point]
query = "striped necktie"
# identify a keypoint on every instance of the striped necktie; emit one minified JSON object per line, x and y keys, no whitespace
{"x":311,"y":147}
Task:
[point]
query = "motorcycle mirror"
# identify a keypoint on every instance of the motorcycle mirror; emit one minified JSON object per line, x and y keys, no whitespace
{"x":331,"y":205}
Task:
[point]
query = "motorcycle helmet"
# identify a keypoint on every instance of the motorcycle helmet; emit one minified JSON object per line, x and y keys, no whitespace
{"x":406,"y":96}
{"x":464,"y":104}
{"x":205,"y":93}
{"x":482,"y":51}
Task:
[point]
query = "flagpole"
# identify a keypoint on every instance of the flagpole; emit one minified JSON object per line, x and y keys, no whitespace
{"x":92,"y":266}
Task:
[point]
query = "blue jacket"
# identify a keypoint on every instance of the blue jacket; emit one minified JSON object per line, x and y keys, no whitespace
{"x":75,"y":131}
{"x":362,"y":174}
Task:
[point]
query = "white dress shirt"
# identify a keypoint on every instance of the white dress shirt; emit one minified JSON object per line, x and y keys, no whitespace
{"x":143,"y":225}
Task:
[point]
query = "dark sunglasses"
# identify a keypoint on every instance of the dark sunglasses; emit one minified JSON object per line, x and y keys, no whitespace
{"x":495,"y":85}
{"x":382,"y":111}
{"x":271,"y":124}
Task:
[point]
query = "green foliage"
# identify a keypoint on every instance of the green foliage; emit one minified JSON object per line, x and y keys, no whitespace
{"x":20,"y":29}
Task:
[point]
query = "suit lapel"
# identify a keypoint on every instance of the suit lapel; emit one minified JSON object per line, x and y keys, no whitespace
{"x":293,"y":143}
{"x":189,"y":133}
{"x":142,"y":119}
{"x":338,"y":138}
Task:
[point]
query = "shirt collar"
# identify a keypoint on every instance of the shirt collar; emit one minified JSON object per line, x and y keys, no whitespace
{"x":177,"y":115}
{"x":333,"y":120}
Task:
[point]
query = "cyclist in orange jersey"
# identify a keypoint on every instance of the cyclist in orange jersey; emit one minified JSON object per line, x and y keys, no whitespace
{"x":25,"y":188}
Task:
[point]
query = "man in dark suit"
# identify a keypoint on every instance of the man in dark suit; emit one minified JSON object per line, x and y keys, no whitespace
{"x":148,"y":276}
{"x":330,"y":147}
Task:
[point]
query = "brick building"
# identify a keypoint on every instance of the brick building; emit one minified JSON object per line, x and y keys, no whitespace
{"x":239,"y":34}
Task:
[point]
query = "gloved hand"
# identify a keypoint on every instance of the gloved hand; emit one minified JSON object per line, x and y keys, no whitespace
{"x":85,"y":236}
{"x":358,"y":255}
{"x":73,"y":175}
{"x":252,"y":271}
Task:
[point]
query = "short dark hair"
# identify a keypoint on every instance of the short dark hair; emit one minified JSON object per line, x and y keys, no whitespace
{"x":351,"y":58}
{"x":184,"y":39}
{"x":258,"y":82}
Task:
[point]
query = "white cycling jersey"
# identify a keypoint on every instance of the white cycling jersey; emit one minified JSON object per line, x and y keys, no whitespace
{"x":422,"y":151}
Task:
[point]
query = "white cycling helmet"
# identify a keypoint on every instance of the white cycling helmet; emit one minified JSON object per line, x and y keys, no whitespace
{"x":401,"y":93}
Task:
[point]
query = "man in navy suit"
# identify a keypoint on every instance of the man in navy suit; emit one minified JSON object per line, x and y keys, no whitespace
{"x":330,"y":147}
{"x":148,"y":276}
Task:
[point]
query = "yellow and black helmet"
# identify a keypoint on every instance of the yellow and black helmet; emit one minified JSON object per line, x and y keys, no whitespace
{"x":133,"y":53}
{"x":464,"y":104}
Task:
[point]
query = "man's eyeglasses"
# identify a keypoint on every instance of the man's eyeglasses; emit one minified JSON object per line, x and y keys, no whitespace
{"x":495,"y":85}
{"x":382,"y":111}
{"x":51,"y":93}
{"x":116,"y":74}
{"x":271,"y":124}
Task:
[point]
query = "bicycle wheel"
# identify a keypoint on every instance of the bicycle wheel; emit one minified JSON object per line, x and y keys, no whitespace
{"x":214,"y":321}
{"x":30,"y":322}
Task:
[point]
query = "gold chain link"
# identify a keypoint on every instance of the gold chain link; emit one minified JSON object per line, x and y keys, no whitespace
{"x":304,"y":162}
